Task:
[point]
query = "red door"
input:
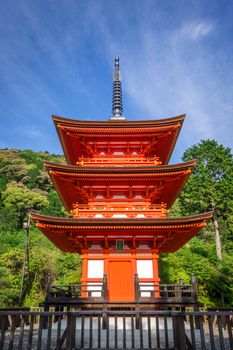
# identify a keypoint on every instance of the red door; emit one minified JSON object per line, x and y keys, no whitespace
{"x":121,"y":281}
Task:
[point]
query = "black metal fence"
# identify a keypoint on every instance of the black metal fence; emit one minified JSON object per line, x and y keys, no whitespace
{"x":116,"y":330}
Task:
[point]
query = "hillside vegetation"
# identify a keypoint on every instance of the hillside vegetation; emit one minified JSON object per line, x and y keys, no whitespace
{"x":24,"y":184}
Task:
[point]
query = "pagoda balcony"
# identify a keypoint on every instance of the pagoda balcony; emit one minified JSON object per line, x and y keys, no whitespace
{"x":108,"y":210}
{"x":88,"y":294}
{"x":120,"y":160}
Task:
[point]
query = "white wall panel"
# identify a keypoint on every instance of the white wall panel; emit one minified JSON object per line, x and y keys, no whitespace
{"x":95,"y":269}
{"x":148,"y":287}
{"x":145,"y":268}
{"x":93,"y":288}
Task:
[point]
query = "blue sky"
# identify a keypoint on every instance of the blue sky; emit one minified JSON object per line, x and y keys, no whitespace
{"x":56,"y":57}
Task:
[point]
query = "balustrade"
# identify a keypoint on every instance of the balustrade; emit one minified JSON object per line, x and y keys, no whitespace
{"x":124,"y":160}
{"x":107,"y":209}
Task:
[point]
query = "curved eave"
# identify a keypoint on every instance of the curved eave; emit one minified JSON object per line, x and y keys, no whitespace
{"x":117,"y":124}
{"x":170,"y":234}
{"x":75,"y":169}
{"x":70,"y":146}
{"x":191,"y":219}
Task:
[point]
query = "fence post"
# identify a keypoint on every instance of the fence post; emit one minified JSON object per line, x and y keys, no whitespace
{"x":179,"y":332}
{"x":47,"y":297}
{"x":105,"y":288}
{"x":194,"y":285}
{"x":48,"y":286}
{"x":137,"y":296}
{"x":165,"y":292}
{"x":105,"y":297}
{"x":136,"y":287}
{"x":4,"y":326}
{"x":194,"y":288}
{"x":71,"y":329}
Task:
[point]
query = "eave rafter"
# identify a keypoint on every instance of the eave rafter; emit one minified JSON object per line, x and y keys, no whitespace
{"x":132,"y":242}
{"x":79,"y":132}
{"x":165,"y":235}
{"x":56,"y":228}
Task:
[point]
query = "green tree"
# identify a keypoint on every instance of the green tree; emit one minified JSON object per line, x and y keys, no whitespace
{"x":24,"y":183}
{"x":210,"y":187}
{"x":17,"y":197}
{"x":8,"y":220}
{"x":8,"y":292}
{"x":43,"y":181}
{"x":55,"y":206}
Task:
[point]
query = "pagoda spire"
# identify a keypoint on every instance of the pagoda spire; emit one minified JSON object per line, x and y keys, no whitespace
{"x":117,"y":108}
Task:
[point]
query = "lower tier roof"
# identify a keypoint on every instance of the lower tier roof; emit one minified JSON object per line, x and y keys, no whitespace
{"x":164,"y":234}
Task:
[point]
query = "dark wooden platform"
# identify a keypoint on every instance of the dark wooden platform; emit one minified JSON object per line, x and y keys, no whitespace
{"x":147,"y":296}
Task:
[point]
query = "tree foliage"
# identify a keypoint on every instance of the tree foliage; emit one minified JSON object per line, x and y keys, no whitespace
{"x":24,"y":183}
{"x":211,"y":184}
{"x":211,"y":187}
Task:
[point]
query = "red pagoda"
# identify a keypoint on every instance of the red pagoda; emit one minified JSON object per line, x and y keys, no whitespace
{"x":119,"y":188}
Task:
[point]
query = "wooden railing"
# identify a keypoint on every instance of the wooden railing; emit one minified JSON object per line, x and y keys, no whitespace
{"x":76,"y":291}
{"x":172,"y":293}
{"x":178,"y":293}
{"x":68,"y":294}
{"x":145,"y":293}
{"x":128,"y":209}
{"x":112,"y":160}
{"x":116,"y":330}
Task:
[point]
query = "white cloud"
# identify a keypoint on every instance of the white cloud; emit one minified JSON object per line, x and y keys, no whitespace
{"x":169,"y":65}
{"x":167,"y":74}
{"x":197,"y":29}
{"x":29,"y":131}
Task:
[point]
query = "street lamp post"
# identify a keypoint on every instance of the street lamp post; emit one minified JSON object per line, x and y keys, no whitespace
{"x":25,"y":268}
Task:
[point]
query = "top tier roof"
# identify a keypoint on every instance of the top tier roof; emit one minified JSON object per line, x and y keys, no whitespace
{"x":146,"y":137}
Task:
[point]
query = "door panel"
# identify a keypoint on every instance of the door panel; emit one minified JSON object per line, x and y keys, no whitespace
{"x":121,"y":281}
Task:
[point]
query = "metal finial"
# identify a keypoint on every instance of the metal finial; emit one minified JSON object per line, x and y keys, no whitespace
{"x":117,"y":62}
{"x":117,"y":108}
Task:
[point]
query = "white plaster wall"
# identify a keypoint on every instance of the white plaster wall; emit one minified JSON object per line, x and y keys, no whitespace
{"x":148,"y":287}
{"x":97,"y":288}
{"x":95,"y":269}
{"x":145,"y":268}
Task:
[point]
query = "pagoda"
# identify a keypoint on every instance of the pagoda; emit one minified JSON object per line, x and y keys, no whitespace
{"x":119,"y":188}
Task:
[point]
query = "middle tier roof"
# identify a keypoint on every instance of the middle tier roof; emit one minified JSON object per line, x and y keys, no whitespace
{"x":155,"y":184}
